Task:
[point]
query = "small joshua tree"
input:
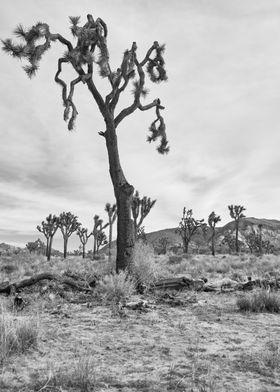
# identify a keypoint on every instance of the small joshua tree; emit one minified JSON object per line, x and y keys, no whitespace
{"x":86,"y":57}
{"x":101,"y":240}
{"x":37,"y":246}
{"x":213,"y":219}
{"x":112,"y":214}
{"x":68,"y":224}
{"x":140,"y":209}
{"x":84,"y":236}
{"x":49,"y":228}
{"x":236,"y":214}
{"x":188,"y":227}
{"x":98,"y":227}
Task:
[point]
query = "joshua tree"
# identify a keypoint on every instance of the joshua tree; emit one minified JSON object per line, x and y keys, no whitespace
{"x":101,"y":240}
{"x":236,"y":214}
{"x":88,"y":53}
{"x":68,"y":224}
{"x":188,"y":227}
{"x":49,"y":229}
{"x":213,"y":219}
{"x":97,"y":229}
{"x":84,"y":236}
{"x":37,"y":246}
{"x":112,"y":214}
{"x":162,"y":244}
{"x":140,"y":209}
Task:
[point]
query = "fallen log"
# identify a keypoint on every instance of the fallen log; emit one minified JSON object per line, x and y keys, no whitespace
{"x":8,"y":288}
{"x":180,"y":283}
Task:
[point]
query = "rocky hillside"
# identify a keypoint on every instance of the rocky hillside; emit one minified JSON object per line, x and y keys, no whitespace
{"x":270,"y":231}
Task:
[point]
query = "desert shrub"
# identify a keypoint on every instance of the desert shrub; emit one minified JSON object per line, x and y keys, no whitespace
{"x":26,"y":334}
{"x":116,"y":287}
{"x":16,"y":335}
{"x":260,"y":301}
{"x":144,"y":269}
{"x":8,"y":268}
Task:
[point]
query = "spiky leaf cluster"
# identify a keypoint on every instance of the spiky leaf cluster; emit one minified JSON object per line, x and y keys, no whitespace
{"x":68,"y":223}
{"x":155,"y":66}
{"x":49,"y":227}
{"x":29,"y":50}
{"x":157,"y":130}
{"x":213,"y":219}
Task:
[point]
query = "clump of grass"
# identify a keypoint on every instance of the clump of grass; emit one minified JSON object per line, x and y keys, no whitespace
{"x":16,"y":335}
{"x":260,"y":301}
{"x":144,"y":269}
{"x":175,"y":259}
{"x":116,"y":288}
{"x":80,"y":377}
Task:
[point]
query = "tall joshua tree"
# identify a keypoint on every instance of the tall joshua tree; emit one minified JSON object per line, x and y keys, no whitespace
{"x":236,"y":214}
{"x":140,"y":209}
{"x":68,"y":224}
{"x":188,"y":226}
{"x":49,"y":228}
{"x":98,"y":227}
{"x":213,"y":219}
{"x":112,"y":214}
{"x":84,"y":236}
{"x":89,"y":52}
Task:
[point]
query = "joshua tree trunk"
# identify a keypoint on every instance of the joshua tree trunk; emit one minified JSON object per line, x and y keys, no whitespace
{"x":84,"y":251}
{"x":236,"y":237}
{"x":65,"y":242}
{"x":49,"y":249}
{"x":123,"y":193}
{"x":186,"y":245}
{"x":213,"y":243}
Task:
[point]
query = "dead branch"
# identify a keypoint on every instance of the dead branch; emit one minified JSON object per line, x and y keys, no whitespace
{"x":8,"y":288}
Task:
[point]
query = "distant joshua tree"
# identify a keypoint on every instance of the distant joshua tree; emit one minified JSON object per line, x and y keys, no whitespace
{"x":140,"y":209}
{"x":98,"y":227}
{"x":101,"y":240}
{"x":68,"y":224}
{"x":37,"y":246}
{"x":112,"y":214}
{"x":236,"y":214}
{"x":84,"y":236}
{"x":49,"y":228}
{"x":188,"y":227}
{"x":88,"y":56}
{"x":213,"y":219}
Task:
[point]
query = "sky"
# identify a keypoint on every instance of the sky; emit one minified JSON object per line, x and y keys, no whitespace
{"x":222,"y":114}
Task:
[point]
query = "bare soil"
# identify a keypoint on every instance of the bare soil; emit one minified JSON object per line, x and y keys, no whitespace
{"x":202,"y":344}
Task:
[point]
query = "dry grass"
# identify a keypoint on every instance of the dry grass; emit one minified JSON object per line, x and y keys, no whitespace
{"x":17,"y":334}
{"x":117,"y":288}
{"x":259,"y":301}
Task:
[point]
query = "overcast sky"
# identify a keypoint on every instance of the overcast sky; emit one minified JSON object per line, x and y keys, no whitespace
{"x":222,"y":114}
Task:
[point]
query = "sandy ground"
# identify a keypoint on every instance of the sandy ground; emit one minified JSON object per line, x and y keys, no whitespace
{"x":205,"y":344}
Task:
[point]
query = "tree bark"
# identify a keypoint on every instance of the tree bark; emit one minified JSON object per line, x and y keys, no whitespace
{"x":65,"y":242}
{"x":8,"y":287}
{"x":123,"y":193}
{"x":84,"y":251}
{"x":50,"y":249}
{"x":213,"y":243}
{"x":186,"y":245}
{"x":236,"y":238}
